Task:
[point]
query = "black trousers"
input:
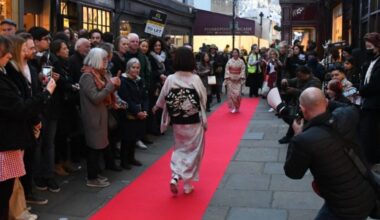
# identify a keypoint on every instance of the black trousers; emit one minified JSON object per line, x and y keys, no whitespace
{"x":370,"y":134}
{"x":93,"y":163}
{"x":254,"y":82}
{"x":27,"y":179}
{"x":6,"y":189}
{"x":127,"y":152}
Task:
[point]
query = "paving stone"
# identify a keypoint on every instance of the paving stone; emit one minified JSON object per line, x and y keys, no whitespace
{"x":296,"y":200}
{"x":248,"y":181}
{"x":256,"y":214}
{"x":80,"y":205}
{"x":242,"y":198}
{"x":282,"y":153}
{"x":302,"y":214}
{"x":283,"y":183}
{"x":257,"y":154}
{"x":216,"y":213}
{"x":243,"y":167}
{"x":261,"y":143}
{"x":274,"y":168}
{"x":253,"y":136}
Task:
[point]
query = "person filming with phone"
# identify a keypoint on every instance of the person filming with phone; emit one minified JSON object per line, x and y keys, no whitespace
{"x":319,"y":145}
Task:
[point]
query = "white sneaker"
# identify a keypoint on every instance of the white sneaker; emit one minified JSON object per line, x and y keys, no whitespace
{"x":271,"y":110}
{"x":26,"y":215}
{"x":233,"y":110}
{"x":141,"y":145}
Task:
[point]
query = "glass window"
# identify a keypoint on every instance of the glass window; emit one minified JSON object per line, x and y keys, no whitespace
{"x":96,"y":18}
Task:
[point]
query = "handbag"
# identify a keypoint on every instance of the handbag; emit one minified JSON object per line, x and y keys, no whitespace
{"x":211,"y":80}
{"x":17,"y":202}
{"x":371,"y":174}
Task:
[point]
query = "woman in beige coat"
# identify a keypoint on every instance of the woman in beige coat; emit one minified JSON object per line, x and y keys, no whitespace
{"x":96,"y":96}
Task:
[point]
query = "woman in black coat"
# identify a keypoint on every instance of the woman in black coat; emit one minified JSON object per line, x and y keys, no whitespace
{"x":132,"y":120}
{"x":370,"y":93}
{"x":16,"y":131}
{"x":67,"y":99}
{"x":158,"y":58}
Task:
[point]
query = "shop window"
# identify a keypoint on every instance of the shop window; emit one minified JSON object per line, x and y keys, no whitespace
{"x":337,"y":30}
{"x":5,"y":9}
{"x":304,"y":34}
{"x":96,"y":18}
{"x":69,"y":14}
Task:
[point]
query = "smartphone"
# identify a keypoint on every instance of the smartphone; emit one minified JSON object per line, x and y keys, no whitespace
{"x":47,"y":71}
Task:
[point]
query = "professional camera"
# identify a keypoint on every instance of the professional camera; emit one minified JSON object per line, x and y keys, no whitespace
{"x":288,"y":113}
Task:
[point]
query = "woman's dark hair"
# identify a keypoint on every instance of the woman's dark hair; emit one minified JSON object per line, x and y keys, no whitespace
{"x":153,"y":41}
{"x":235,"y":49}
{"x":351,"y":60}
{"x":56,"y":45}
{"x":184,"y":60}
{"x":203,"y":58}
{"x":299,"y":47}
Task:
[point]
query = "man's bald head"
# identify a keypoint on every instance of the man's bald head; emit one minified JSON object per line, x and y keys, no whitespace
{"x":313,"y":102}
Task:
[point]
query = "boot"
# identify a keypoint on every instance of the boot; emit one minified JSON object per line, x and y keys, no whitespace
{"x":59,"y":170}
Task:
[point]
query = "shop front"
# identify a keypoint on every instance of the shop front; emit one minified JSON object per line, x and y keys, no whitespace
{"x":215,"y":28}
{"x":131,"y":16}
{"x":86,"y":14}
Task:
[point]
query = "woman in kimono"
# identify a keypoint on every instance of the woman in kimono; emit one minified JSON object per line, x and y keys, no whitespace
{"x":183,"y":100}
{"x":234,"y":79}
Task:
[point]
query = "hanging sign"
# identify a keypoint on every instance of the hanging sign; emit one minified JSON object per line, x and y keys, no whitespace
{"x":156,"y":23}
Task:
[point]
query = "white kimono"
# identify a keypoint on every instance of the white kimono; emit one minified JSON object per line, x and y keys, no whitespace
{"x":189,"y":139}
{"x":234,"y":79}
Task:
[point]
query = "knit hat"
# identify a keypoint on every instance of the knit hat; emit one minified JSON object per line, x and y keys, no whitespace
{"x":373,"y":38}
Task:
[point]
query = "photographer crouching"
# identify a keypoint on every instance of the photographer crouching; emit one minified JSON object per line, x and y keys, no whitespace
{"x":319,"y":145}
{"x":290,"y":92}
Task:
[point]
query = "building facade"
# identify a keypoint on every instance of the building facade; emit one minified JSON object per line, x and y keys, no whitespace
{"x":369,"y":16}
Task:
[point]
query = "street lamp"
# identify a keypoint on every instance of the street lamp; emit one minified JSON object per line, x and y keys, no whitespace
{"x":261,"y":26}
{"x":233,"y":22}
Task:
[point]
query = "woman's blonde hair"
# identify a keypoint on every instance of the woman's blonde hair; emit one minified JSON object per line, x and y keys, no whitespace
{"x":17,"y":43}
{"x":95,"y":58}
{"x":273,"y":51}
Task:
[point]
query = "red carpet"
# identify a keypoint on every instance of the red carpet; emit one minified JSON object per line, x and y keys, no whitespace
{"x":149,"y":197}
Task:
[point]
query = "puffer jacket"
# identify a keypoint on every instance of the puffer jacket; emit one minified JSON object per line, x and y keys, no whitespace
{"x":345,"y":191}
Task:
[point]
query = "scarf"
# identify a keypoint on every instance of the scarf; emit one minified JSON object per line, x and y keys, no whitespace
{"x":101,"y":81}
{"x":160,"y":59}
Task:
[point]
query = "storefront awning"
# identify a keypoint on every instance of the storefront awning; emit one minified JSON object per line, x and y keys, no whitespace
{"x":210,"y":23}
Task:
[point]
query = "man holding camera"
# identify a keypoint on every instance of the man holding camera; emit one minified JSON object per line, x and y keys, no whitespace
{"x":316,"y":146}
{"x":290,"y":91}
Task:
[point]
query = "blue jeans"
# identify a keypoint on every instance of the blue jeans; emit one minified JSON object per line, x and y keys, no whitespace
{"x":326,"y":214}
{"x":45,"y":153}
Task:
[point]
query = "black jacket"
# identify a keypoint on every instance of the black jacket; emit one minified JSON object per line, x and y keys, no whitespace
{"x":75,"y":66}
{"x":118,"y":64}
{"x":16,"y":112}
{"x":371,"y":91}
{"x":347,"y":194}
